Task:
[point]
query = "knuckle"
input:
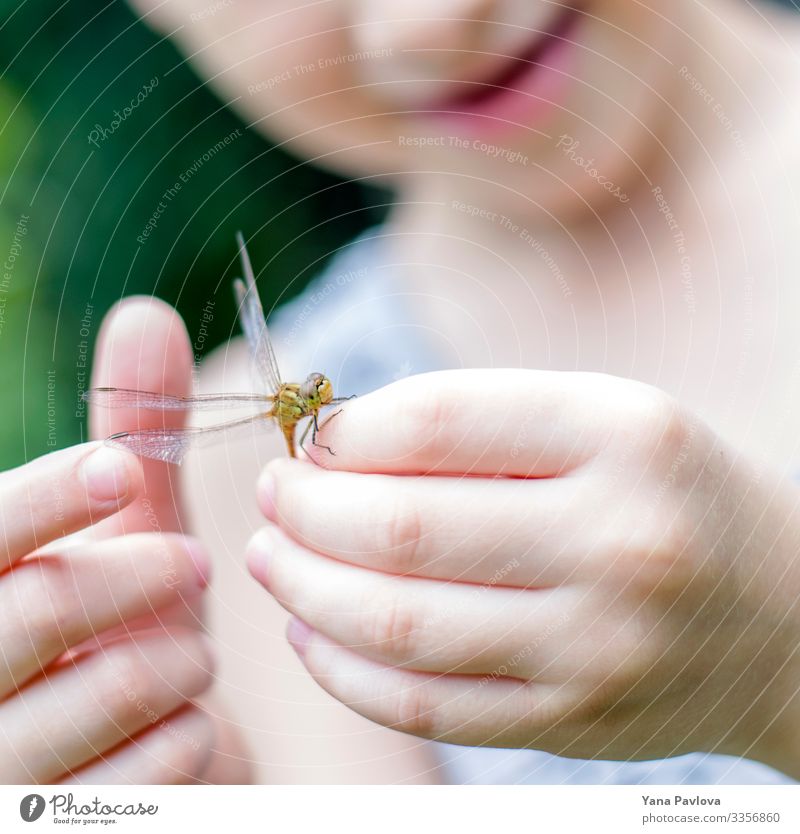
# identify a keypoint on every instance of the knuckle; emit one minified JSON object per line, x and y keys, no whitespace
{"x":648,"y":557}
{"x":597,"y":709}
{"x":635,"y":410}
{"x":665,"y":563}
{"x":175,"y":569}
{"x":194,"y":672}
{"x":399,"y":537}
{"x":189,"y":745}
{"x":122,"y":687}
{"x":414,"y":713}
{"x":663,"y":424}
{"x":434,"y":409}
{"x":49,"y":605}
{"x":541,"y":715}
{"x":390,"y":628}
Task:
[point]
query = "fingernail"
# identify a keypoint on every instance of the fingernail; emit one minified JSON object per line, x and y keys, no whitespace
{"x":258,"y":555}
{"x":298,"y":633}
{"x":105,"y":475}
{"x":199,"y":557}
{"x":265,"y":494}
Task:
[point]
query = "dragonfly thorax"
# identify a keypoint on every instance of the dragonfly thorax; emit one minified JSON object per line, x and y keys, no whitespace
{"x":316,"y":390}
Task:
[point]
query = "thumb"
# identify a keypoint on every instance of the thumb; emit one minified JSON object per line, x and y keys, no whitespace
{"x":143,"y":344}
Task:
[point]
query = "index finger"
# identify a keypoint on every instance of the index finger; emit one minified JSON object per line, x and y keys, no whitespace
{"x":513,"y":422}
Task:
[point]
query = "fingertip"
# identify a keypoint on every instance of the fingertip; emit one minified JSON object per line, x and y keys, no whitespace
{"x":111,"y":476}
{"x":258,"y":554}
{"x":143,"y":342}
{"x":200,"y":560}
{"x":135,"y":307}
{"x":134,"y":313}
{"x":299,"y":634}
{"x":265,"y":494}
{"x":281,"y":485}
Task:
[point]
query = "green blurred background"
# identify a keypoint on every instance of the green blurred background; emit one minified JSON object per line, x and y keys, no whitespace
{"x":70,"y":211}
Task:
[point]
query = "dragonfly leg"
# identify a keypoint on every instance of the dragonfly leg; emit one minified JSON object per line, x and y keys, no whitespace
{"x":304,"y":435}
{"x":343,"y":399}
{"x":317,"y":427}
{"x":329,"y":418}
{"x":312,"y":424}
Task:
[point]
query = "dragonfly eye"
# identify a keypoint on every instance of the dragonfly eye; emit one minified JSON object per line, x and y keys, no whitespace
{"x":310,"y":389}
{"x":325,"y":390}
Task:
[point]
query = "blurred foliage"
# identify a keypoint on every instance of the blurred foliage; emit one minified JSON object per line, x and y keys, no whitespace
{"x":67,"y":66}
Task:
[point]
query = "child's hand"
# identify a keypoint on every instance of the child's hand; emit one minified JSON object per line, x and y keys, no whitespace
{"x":56,"y":714}
{"x":120,"y":596}
{"x":562,"y":561}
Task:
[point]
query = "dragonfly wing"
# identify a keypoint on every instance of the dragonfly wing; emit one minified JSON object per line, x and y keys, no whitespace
{"x":130,"y":398}
{"x":171,"y":445}
{"x":254,"y":324}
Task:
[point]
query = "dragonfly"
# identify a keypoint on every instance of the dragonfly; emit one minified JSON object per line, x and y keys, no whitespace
{"x":283,"y":403}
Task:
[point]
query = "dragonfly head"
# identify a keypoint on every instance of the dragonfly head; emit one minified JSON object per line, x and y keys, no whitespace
{"x":317,"y":390}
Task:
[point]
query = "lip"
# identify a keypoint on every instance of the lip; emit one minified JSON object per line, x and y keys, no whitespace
{"x":524,"y":89}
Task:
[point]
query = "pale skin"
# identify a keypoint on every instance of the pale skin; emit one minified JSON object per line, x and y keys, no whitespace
{"x":603,"y":623}
{"x":104,"y":654}
{"x":637,"y":579}
{"x":635,"y":621}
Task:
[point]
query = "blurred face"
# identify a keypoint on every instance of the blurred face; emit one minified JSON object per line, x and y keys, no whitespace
{"x":517,"y":93}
